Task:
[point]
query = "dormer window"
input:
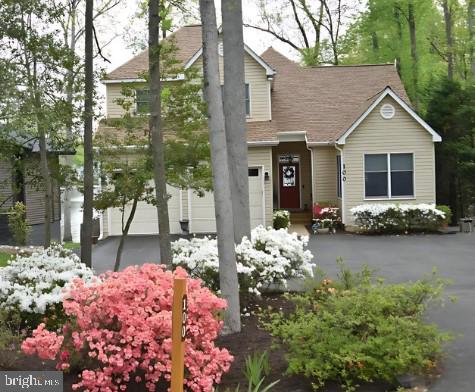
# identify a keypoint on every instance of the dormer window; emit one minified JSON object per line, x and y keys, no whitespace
{"x":142,"y":101}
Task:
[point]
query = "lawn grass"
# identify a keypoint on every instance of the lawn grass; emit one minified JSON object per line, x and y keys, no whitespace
{"x":71,"y":245}
{"x":4,"y":257}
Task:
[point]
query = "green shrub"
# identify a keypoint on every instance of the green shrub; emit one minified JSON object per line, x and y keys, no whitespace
{"x":359,"y":329}
{"x":17,"y":223}
{"x":447,"y":211}
{"x":281,"y":219}
{"x":10,"y":338}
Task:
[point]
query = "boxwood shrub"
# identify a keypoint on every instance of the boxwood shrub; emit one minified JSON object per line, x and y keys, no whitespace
{"x":358,"y":329}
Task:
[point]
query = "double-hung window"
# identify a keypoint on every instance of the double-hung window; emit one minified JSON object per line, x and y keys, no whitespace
{"x":389,"y":175}
{"x":142,"y":101}
{"x":247,"y":98}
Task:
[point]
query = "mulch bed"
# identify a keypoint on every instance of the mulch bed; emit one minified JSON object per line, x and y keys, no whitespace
{"x":251,"y":339}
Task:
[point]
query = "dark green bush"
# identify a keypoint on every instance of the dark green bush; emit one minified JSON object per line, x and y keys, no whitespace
{"x":281,"y":219}
{"x":19,"y":227}
{"x":359,"y":329}
{"x":447,"y":211}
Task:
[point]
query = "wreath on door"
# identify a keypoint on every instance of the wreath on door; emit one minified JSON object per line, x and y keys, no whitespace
{"x":289,"y":173}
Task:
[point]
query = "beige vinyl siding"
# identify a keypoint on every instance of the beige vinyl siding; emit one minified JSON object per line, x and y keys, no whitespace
{"x":300,"y":149}
{"x":114,"y":92}
{"x":262,"y":156}
{"x":376,"y":135}
{"x":6,"y":185}
{"x":34,"y":193}
{"x":255,"y":75}
{"x":325,"y":174}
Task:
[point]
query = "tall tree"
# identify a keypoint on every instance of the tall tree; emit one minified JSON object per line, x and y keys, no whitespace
{"x":411,"y":19}
{"x":156,"y":131}
{"x":219,"y":159}
{"x":471,"y":35}
{"x":86,"y":228}
{"x":235,"y":115}
{"x":295,"y":22}
{"x":448,"y":18}
{"x":32,"y":52}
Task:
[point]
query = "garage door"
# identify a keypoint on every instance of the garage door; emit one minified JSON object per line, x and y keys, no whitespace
{"x":202,"y":218}
{"x":145,"y":220}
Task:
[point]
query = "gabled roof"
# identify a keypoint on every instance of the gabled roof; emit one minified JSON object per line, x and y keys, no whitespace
{"x":187,"y":41}
{"x":375,"y":102}
{"x":324,"y":101}
{"x":189,"y":48}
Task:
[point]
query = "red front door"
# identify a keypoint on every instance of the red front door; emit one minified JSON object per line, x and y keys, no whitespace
{"x":289,"y":183}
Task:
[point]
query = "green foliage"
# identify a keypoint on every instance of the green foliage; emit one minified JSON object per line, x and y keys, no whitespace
{"x":451,"y":111}
{"x":359,"y":329}
{"x":257,"y":367}
{"x":281,"y":219}
{"x":19,"y":227}
{"x":11,"y":337}
{"x":4,"y":257}
{"x":447,"y":211}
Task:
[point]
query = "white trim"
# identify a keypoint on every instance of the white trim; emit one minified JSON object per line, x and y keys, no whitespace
{"x":316,"y":144}
{"x":312,"y":175}
{"x":250,"y":99}
{"x":180,"y":196}
{"x":190,"y":220}
{"x":263,"y":143}
{"x":388,"y":91}
{"x":109,"y":221}
{"x":343,"y":168}
{"x":140,"y":80}
{"x":269,"y":83}
{"x":269,"y":70}
{"x":297,"y":136}
{"x":390,"y":197}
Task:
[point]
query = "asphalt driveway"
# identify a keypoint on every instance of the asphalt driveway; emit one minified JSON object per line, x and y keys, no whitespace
{"x":398,"y":258}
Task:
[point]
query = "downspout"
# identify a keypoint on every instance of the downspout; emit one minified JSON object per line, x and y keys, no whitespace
{"x":312,"y":172}
{"x":342,"y":162}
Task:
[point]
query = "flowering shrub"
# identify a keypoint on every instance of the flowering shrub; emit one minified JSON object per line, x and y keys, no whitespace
{"x":281,"y":219}
{"x":397,"y":218}
{"x":325,"y":217}
{"x":33,"y":285}
{"x":199,"y":256}
{"x":269,"y":257}
{"x":120,"y":330}
{"x":358,"y":329}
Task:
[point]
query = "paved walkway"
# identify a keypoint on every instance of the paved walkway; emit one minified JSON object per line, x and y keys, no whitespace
{"x":399,"y":259}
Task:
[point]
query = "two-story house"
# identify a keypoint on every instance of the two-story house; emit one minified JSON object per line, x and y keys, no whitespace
{"x":341,"y":134}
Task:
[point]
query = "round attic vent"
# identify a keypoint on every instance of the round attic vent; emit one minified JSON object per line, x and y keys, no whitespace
{"x":387,"y":111}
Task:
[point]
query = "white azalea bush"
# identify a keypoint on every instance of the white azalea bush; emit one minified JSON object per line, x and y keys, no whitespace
{"x":269,"y":257}
{"x":34,"y":285}
{"x":398,"y":218}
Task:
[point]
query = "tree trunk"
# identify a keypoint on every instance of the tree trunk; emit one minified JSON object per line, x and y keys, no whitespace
{"x":158,"y":148}
{"x":449,"y":38}
{"x":471,"y":35}
{"x":414,"y":56}
{"x":397,"y":16}
{"x":67,"y":235}
{"x":46,"y":177}
{"x":86,"y":228}
{"x":235,"y":116}
{"x":219,"y":160}
{"x":125,"y":232}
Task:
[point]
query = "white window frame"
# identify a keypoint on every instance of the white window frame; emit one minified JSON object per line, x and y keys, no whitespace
{"x":388,"y":157}
{"x":137,"y":113}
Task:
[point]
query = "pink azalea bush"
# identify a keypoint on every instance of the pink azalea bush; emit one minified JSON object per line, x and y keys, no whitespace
{"x":120,"y":330}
